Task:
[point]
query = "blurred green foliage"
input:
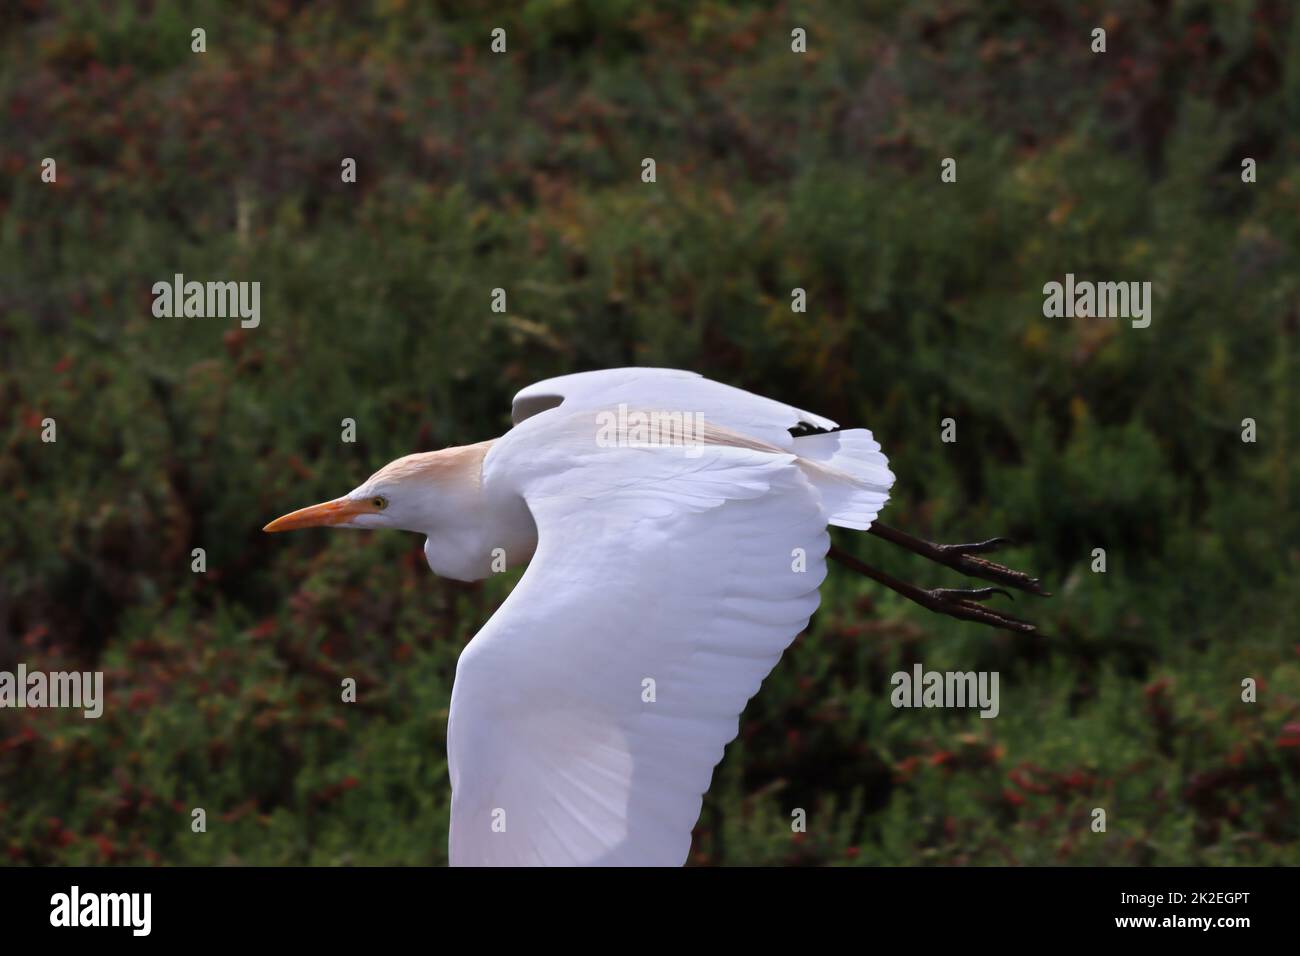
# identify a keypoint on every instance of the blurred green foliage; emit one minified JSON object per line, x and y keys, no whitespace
{"x":775,"y":170}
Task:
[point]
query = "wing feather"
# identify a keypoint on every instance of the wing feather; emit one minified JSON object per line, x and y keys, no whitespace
{"x":668,"y":388}
{"x":651,"y":566}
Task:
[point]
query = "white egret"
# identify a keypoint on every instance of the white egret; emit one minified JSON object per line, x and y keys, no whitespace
{"x":676,"y":535}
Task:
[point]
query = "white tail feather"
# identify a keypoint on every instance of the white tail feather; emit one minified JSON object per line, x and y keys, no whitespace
{"x":850,"y":472}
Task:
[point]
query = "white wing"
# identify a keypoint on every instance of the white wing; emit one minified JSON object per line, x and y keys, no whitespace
{"x":660,"y":388}
{"x":588,"y":714}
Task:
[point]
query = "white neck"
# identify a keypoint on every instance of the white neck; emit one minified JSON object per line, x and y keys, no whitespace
{"x":474,"y":531}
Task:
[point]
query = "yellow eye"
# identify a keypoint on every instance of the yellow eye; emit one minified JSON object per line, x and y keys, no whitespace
{"x":380,"y":502}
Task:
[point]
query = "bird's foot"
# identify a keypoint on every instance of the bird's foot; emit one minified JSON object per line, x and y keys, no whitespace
{"x":964,"y":558}
{"x":963,"y":604}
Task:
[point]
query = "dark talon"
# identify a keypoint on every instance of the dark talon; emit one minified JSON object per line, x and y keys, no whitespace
{"x":961,"y":557}
{"x":957,"y":603}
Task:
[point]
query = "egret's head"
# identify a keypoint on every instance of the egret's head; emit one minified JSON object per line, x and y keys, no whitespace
{"x":415,"y":493}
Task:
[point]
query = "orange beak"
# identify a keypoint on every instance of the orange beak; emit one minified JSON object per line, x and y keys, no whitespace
{"x":315,"y":516}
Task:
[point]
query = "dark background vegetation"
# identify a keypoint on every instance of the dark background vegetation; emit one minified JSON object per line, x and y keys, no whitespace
{"x":775,"y":170}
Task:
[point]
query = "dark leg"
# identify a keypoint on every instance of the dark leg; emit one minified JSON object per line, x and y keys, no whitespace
{"x":952,"y":602}
{"x":961,"y":557}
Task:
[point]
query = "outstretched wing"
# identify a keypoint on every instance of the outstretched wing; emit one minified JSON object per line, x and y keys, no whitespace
{"x":668,"y":388}
{"x":588,"y":714}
